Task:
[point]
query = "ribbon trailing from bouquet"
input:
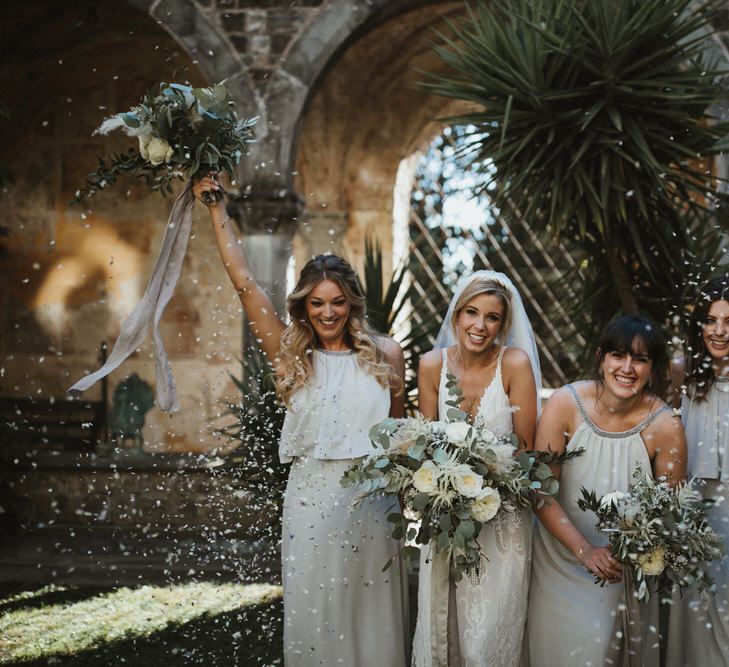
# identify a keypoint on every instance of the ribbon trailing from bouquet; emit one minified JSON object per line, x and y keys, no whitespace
{"x":150,"y":309}
{"x":444,"y":637}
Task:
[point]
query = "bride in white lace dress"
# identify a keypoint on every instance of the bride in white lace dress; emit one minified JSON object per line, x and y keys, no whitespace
{"x":487,"y":343}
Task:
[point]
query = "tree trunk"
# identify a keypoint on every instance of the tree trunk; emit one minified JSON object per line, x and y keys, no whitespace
{"x":621,"y":277}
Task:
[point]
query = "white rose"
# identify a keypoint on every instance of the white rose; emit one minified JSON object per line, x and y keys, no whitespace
{"x":158,"y":151}
{"x":652,"y":564}
{"x":425,"y":478}
{"x":144,"y":145}
{"x":504,"y":457}
{"x":486,"y":505}
{"x":615,"y":497}
{"x":456,"y":432}
{"x":467,"y":482}
{"x":487,"y":436}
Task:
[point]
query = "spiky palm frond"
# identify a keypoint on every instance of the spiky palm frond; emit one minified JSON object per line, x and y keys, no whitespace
{"x":597,"y":118}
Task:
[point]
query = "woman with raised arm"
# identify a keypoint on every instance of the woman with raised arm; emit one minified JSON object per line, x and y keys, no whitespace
{"x":486,"y":342}
{"x":337,"y":378}
{"x":699,"y":628}
{"x":621,"y":424}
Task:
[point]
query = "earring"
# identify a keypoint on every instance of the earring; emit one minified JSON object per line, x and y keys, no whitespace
{"x":601,"y":375}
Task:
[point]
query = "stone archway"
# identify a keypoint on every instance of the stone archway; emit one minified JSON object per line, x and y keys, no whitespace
{"x":365,"y":116}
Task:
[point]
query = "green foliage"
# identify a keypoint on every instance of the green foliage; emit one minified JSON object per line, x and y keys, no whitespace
{"x":451,"y":477}
{"x":256,"y":429}
{"x":383,"y":306}
{"x":659,"y":533}
{"x":182,"y":131}
{"x":595,"y":121}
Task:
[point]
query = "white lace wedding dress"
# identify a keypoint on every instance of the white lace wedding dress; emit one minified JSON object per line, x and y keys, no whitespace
{"x":490,"y":614}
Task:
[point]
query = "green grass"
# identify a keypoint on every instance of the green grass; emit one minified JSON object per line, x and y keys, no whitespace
{"x":192,"y":623}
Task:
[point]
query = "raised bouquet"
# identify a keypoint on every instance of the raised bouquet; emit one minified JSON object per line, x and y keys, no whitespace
{"x":181,"y":131}
{"x":451,"y":478}
{"x":658,"y":532}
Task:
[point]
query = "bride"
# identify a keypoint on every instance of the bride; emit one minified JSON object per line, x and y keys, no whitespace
{"x":487,"y":343}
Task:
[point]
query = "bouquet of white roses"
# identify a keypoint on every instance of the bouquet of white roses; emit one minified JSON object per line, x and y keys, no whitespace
{"x":181,"y":131}
{"x":658,"y":532}
{"x":452,"y":477}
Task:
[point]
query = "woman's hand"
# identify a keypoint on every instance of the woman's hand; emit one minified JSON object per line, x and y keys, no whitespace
{"x":209,"y":183}
{"x":601,"y":562}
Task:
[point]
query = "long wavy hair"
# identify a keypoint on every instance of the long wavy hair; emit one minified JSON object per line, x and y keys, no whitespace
{"x":620,"y":334}
{"x":299,"y":339}
{"x":698,"y":368}
{"x":484,"y":286}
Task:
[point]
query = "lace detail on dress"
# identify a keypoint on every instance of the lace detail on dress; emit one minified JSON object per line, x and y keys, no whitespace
{"x":492,"y":612}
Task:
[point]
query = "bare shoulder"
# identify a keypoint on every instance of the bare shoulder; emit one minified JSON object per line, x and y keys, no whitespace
{"x":515,"y":360}
{"x":431,"y":361}
{"x":665,"y":425}
{"x":560,"y":402}
{"x":390,"y":349}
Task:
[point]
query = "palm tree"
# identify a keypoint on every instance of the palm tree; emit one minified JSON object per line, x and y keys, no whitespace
{"x":595,"y":121}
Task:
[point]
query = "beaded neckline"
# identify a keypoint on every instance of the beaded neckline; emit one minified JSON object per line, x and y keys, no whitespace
{"x":336,"y":353}
{"x":614,"y":434}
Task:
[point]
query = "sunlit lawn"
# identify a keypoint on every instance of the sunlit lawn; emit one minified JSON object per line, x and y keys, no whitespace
{"x":181,"y":624}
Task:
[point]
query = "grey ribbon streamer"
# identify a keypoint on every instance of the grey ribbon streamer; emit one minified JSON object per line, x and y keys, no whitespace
{"x":149,"y":311}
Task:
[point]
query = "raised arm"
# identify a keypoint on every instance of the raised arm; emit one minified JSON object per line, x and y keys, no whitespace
{"x":522,"y":392}
{"x":428,"y":381}
{"x":267,"y":327}
{"x":553,"y":430}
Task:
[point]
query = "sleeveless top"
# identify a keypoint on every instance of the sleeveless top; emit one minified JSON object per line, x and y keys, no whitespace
{"x":707,"y":432}
{"x":331,"y":416}
{"x":494,"y":410}
{"x":607,"y":465}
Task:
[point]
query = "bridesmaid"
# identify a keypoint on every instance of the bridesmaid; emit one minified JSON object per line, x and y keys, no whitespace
{"x":621,"y":424}
{"x":487,"y":343}
{"x":699,"y":630}
{"x":336,"y":377}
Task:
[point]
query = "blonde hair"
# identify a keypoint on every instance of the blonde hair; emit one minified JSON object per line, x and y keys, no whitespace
{"x":484,"y":286}
{"x":299,"y":339}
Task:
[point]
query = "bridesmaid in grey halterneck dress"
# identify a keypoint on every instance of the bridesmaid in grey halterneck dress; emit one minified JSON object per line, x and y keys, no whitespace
{"x":620,"y":424}
{"x":699,"y":628}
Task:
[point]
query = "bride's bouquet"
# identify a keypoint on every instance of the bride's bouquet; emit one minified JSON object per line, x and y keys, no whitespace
{"x":180,"y":131}
{"x":451,"y":478}
{"x":659,"y":533}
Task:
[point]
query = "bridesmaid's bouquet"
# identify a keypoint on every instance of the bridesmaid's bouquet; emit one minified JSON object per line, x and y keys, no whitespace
{"x":180,"y":131}
{"x":451,"y":478}
{"x":659,"y":533}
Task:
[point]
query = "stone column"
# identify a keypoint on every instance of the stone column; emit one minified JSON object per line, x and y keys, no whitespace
{"x":323,"y":232}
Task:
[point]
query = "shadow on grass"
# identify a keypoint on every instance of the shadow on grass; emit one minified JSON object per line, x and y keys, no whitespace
{"x":250,"y":636}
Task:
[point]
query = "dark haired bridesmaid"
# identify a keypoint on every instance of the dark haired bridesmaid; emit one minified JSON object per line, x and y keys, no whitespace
{"x":621,"y":424}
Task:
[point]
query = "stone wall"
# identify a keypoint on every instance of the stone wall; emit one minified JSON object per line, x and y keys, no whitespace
{"x":334,"y":84}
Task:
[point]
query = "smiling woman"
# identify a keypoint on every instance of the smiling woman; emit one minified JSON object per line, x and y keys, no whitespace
{"x":337,"y":378}
{"x":621,"y":424}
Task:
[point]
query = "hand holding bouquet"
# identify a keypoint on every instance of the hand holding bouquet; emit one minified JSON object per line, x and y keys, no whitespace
{"x":660,"y":534}
{"x":452,"y":477}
